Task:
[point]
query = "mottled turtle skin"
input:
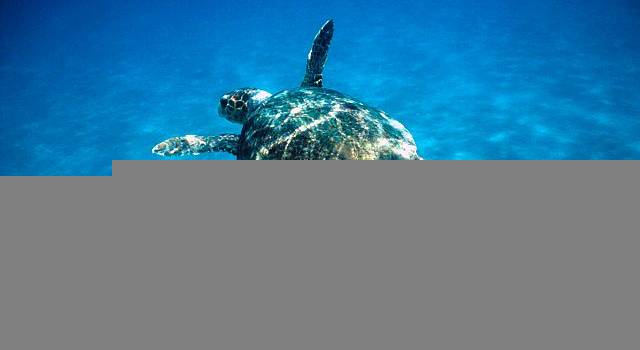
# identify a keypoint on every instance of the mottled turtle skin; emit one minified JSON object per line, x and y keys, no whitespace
{"x":309,"y":122}
{"x":318,"y":123}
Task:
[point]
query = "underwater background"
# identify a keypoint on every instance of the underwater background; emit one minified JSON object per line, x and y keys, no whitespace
{"x":85,"y":82}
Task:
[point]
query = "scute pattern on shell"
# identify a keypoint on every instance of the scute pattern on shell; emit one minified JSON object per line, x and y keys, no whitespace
{"x":315,"y":123}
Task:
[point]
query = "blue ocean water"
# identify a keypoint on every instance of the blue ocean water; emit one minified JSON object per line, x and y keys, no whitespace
{"x":85,"y":82}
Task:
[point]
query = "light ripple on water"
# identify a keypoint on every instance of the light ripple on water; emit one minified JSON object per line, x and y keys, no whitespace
{"x":467,"y":84}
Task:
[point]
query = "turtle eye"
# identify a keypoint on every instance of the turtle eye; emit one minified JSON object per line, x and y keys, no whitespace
{"x":223,"y":102}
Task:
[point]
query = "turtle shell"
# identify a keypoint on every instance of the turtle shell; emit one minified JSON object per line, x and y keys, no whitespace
{"x":316,"y":123}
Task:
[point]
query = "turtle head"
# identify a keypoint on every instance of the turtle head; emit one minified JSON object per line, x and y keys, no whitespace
{"x":237,"y":105}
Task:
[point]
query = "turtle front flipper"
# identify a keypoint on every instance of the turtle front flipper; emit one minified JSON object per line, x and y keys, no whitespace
{"x":318,"y":56}
{"x":193,"y":144}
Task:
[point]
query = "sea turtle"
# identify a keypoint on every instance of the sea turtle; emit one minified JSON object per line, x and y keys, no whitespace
{"x":308,"y":122}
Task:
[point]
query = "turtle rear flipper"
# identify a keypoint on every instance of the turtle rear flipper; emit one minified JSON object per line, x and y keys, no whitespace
{"x":318,"y":56}
{"x":192,"y":144}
